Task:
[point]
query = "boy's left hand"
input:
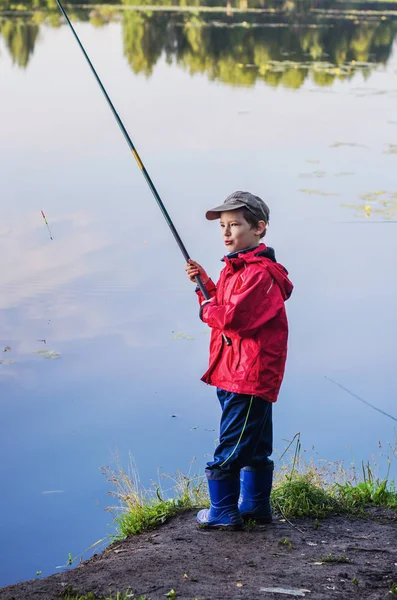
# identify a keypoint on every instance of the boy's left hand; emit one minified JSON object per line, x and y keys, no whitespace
{"x":194,"y":269}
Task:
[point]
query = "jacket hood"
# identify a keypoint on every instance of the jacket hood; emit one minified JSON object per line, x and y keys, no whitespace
{"x":265,"y":255}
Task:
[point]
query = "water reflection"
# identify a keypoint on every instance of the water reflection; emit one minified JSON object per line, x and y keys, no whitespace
{"x":278,"y":47}
{"x":109,"y":294}
{"x":20,"y":38}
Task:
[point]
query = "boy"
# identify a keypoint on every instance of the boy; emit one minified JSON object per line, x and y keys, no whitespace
{"x":248,"y":350}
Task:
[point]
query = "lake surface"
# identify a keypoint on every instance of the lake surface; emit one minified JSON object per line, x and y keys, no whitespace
{"x":100,"y":339}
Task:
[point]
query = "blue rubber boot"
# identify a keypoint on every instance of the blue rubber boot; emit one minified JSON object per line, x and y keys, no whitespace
{"x":255,"y":488}
{"x":223,"y":512}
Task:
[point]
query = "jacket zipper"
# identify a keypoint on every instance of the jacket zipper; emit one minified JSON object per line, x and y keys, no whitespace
{"x":239,"y":354}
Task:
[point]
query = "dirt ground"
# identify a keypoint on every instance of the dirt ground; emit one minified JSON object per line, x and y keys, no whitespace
{"x":217,"y":565}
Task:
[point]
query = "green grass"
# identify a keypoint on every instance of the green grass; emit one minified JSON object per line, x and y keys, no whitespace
{"x":302,"y":495}
{"x":331,"y":558}
{"x":312,"y":490}
{"x":319,"y":489}
{"x":143,"y":510}
{"x":70,"y":593}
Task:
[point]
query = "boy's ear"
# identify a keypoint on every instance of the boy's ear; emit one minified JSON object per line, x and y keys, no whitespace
{"x":260,"y":228}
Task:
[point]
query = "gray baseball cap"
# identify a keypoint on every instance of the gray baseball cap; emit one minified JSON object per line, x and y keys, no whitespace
{"x":237,"y":200}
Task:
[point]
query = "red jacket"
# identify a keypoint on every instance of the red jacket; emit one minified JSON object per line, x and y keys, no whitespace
{"x":248,"y":306}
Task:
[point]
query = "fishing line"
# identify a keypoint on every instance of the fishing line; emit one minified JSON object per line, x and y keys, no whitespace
{"x":361,"y":399}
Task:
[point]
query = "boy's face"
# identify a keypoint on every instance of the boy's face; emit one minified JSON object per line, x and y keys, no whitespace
{"x":237,"y":233}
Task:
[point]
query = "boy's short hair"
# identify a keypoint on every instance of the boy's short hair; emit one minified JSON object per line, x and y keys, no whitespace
{"x":252,"y":219}
{"x":252,"y":205}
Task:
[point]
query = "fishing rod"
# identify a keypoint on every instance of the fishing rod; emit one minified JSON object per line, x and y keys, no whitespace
{"x":136,"y":155}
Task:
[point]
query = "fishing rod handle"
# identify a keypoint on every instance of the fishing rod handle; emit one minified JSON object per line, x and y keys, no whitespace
{"x":202,"y":287}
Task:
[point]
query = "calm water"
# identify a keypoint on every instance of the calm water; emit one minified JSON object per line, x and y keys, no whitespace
{"x":298,"y":107}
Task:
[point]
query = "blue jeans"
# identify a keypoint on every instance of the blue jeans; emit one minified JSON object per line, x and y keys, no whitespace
{"x":246,"y":435}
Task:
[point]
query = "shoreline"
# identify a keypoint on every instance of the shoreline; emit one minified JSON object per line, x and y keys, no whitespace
{"x":338,"y":556}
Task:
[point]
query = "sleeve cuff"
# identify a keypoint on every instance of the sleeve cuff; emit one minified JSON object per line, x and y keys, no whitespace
{"x":202,"y":305}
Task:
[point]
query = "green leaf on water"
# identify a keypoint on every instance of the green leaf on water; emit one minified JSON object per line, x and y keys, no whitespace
{"x":318,"y":174}
{"x":349,"y":144}
{"x":392,"y":149}
{"x":50,"y":354}
{"x":381,"y":204}
{"x":317,"y":192}
{"x":182,"y":336}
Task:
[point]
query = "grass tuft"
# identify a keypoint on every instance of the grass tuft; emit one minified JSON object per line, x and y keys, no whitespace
{"x":143,"y":510}
{"x":69,"y":593}
{"x":320,"y":489}
{"x":331,"y":558}
{"x":301,"y":496}
{"x":370,"y":492}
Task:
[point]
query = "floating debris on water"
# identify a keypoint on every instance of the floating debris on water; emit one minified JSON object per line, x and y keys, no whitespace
{"x":392,"y":149}
{"x":382,"y":204}
{"x":317,"y":192}
{"x":182,"y":336}
{"x":318,"y":174}
{"x":7,"y":362}
{"x":47,"y":353}
{"x":376,"y":93}
{"x":348,"y":144}
{"x":7,"y":348}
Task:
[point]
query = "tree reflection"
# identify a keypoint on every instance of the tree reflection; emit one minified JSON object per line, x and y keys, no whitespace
{"x":19,"y":38}
{"x":282,"y":47}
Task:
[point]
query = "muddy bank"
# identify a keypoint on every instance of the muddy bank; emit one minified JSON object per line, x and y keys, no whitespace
{"x":358,"y":560}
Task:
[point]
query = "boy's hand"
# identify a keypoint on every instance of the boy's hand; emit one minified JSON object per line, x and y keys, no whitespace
{"x":193,"y":269}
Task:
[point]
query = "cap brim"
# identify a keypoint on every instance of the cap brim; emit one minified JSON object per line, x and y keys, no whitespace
{"x":215,"y":213}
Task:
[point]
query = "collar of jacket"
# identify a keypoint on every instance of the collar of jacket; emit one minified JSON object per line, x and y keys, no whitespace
{"x":236,"y":260}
